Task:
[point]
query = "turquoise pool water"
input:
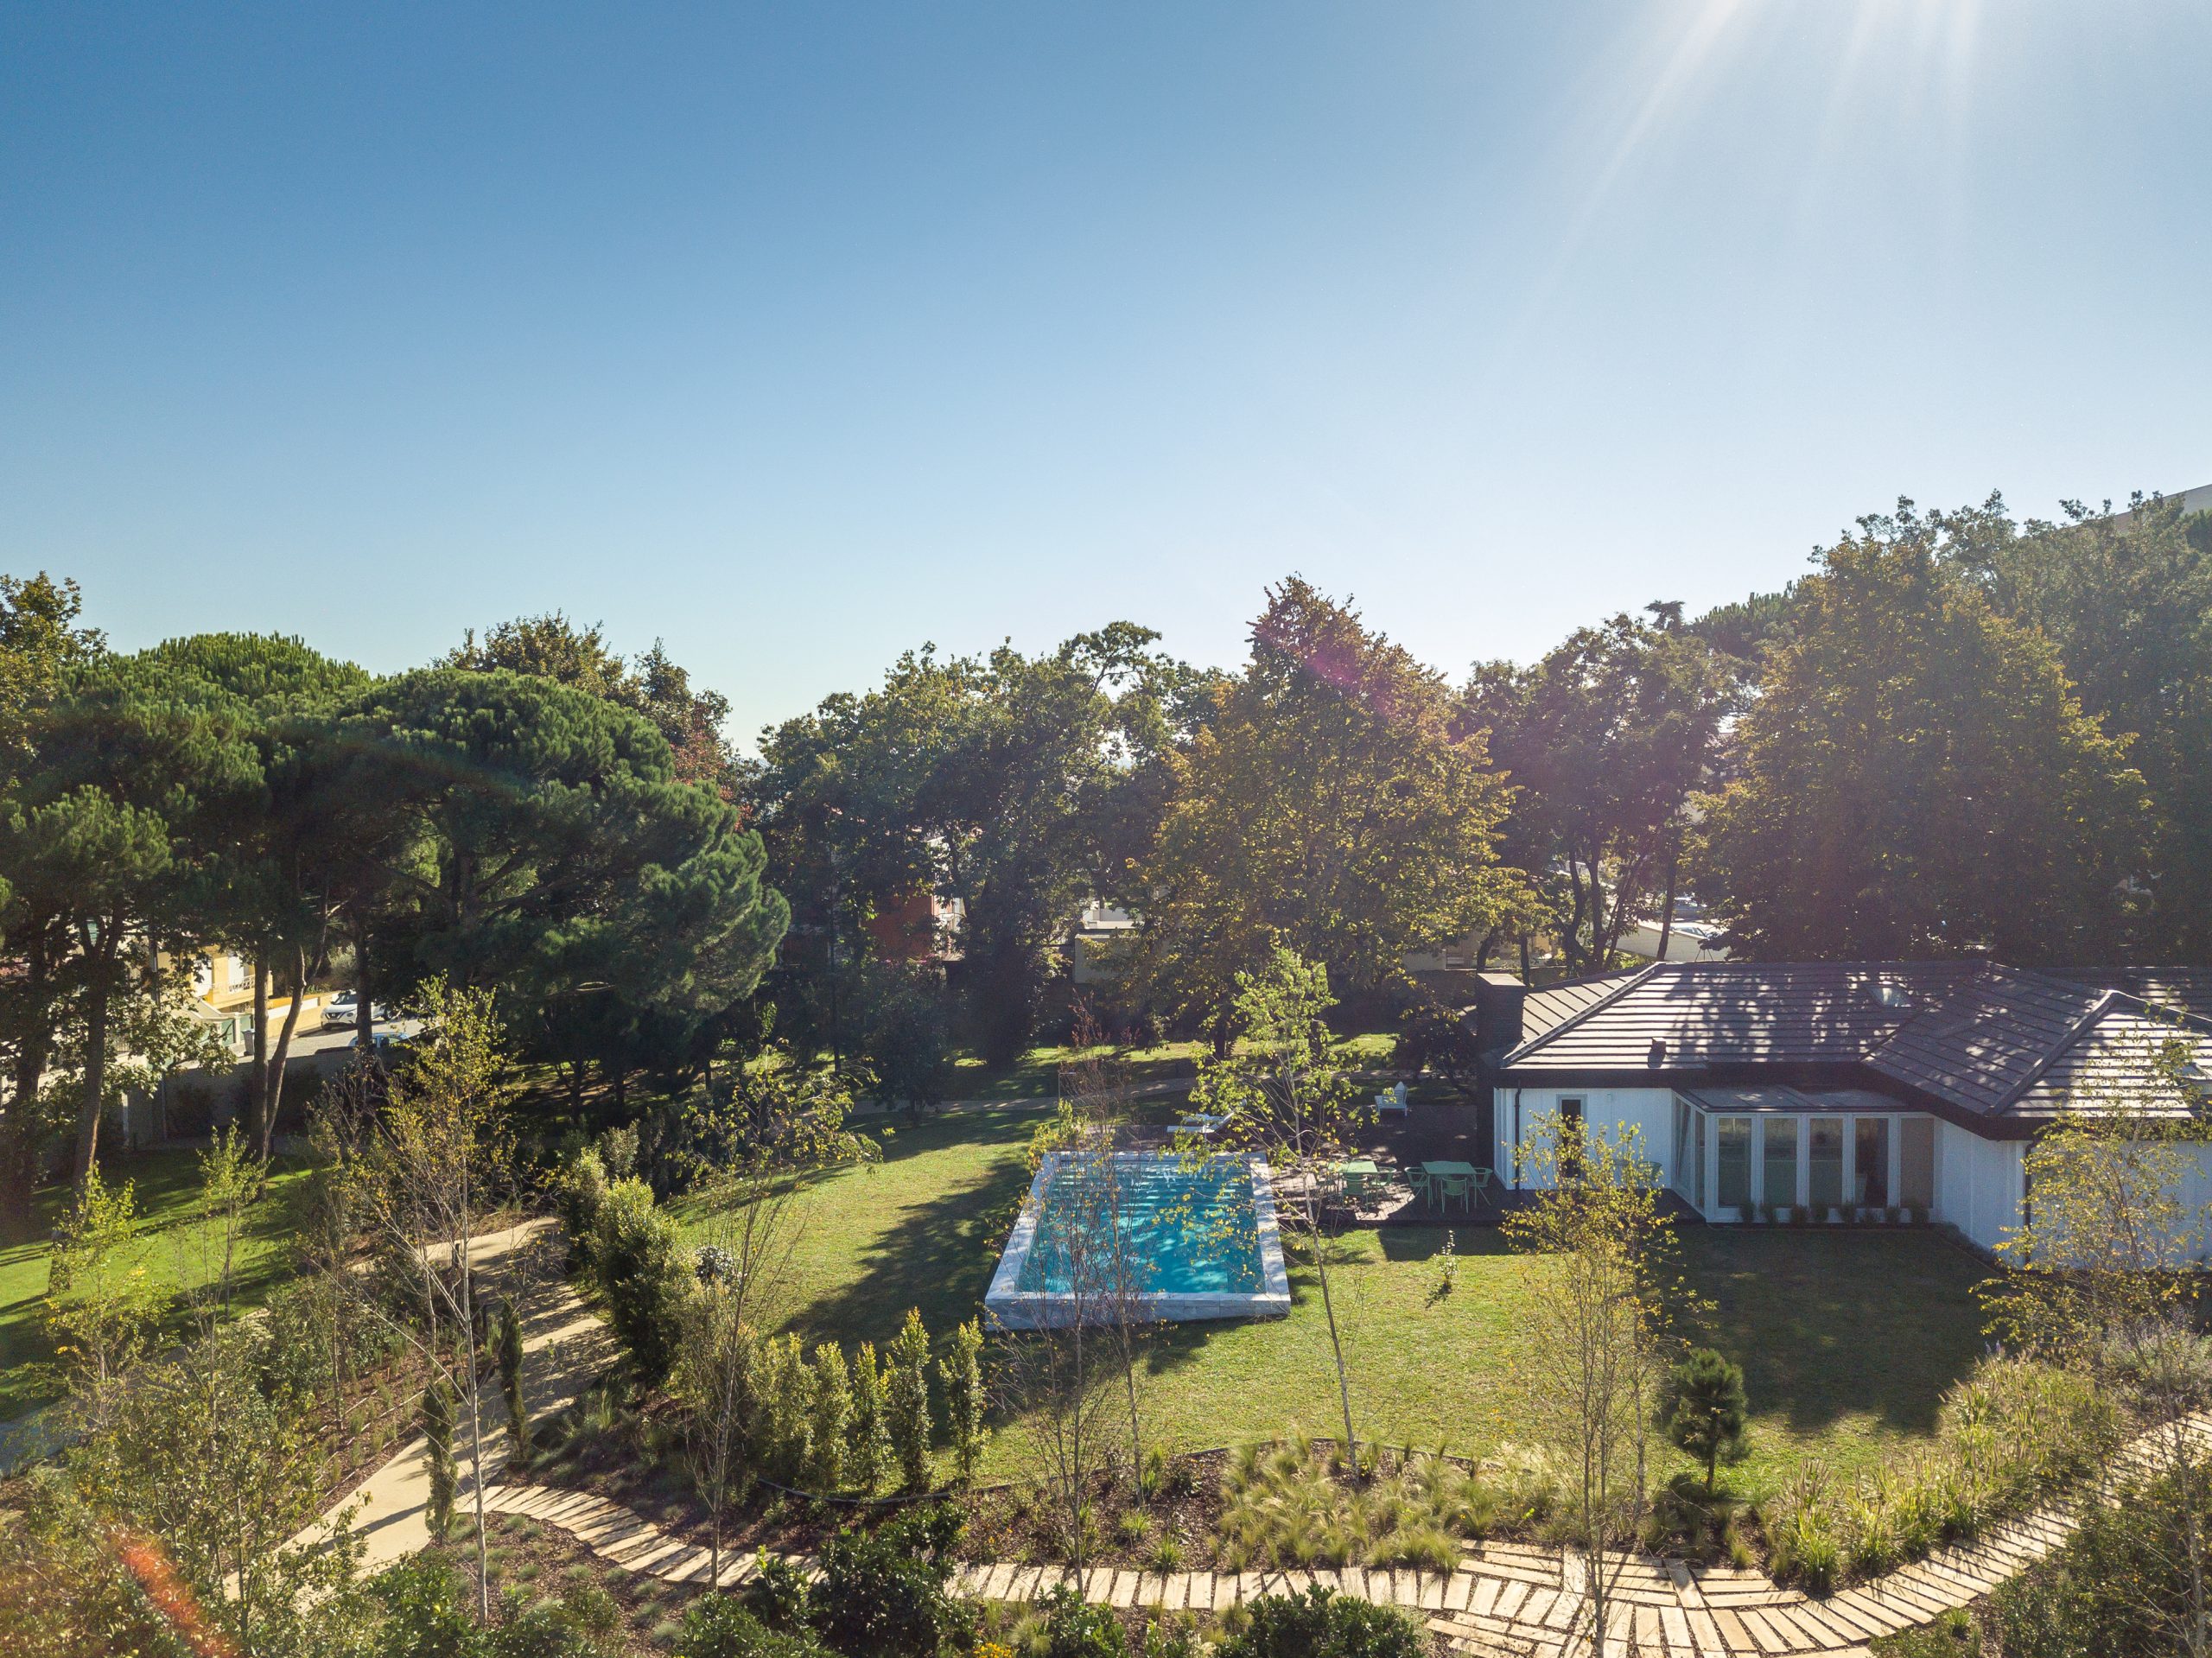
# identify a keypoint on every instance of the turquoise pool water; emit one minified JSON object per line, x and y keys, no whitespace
{"x":1183,"y":1229}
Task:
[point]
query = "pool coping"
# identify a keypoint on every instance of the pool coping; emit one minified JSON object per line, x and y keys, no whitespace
{"x":1018,"y":1309}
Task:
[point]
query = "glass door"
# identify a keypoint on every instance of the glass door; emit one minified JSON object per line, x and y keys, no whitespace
{"x":1732,"y":1184}
{"x":1779,"y":1165}
{"x":1869,"y":1150}
{"x":1824,"y":1165}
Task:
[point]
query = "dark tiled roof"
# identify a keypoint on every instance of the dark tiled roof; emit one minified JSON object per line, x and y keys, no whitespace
{"x":1735,"y":1013}
{"x":2188,"y":990}
{"x":2114,"y":1062}
{"x":1989,"y":1045}
{"x":1984,"y":1039}
{"x":1545,"y":1010}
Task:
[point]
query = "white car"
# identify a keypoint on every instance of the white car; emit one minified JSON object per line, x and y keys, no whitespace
{"x":344,"y":1009}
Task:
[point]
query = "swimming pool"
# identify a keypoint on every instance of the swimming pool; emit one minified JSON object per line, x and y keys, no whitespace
{"x":1145,"y":1234}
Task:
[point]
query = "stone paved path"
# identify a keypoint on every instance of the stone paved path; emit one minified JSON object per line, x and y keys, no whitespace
{"x":1506,"y":1598}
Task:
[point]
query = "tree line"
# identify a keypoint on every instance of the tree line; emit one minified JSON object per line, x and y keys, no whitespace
{"x":1957,"y":734}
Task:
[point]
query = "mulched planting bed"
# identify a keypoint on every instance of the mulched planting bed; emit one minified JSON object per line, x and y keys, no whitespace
{"x":532,"y":1561}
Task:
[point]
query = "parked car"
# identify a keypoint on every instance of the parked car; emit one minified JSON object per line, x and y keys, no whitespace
{"x":344,"y":1009}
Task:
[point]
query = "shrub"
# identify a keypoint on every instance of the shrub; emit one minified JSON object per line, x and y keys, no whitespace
{"x":719,"y":1626}
{"x":1322,"y":1624}
{"x":437,"y":1431}
{"x":579,"y":1196}
{"x":885,"y":1594}
{"x":2120,"y":1585}
{"x":907,"y":1404}
{"x":963,"y":1372}
{"x":832,"y":1405}
{"x":637,"y":1259}
{"x":581,"y":1625}
{"x":421,"y":1609}
{"x":1074,"y":1629}
{"x":867,"y":1442}
{"x":782,"y":1428}
{"x":777,"y":1595}
{"x":1709,"y":1410}
{"x":1284,"y":1506}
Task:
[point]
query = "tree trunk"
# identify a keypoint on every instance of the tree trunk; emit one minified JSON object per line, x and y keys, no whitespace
{"x":257,"y":1092}
{"x":19,"y":1143}
{"x":1667,"y":910}
{"x":272,"y":1085}
{"x":364,"y":1027}
{"x":88,"y":1115}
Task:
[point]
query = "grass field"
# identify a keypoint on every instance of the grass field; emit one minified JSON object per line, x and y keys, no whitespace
{"x":1036,"y":1073}
{"x":1848,"y":1338}
{"x":167,"y":1187}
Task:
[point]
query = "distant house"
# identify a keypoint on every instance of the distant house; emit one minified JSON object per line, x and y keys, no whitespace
{"x":1835,"y":1088}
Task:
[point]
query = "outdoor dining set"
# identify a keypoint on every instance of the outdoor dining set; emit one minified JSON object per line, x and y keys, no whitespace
{"x":1437,"y":1184}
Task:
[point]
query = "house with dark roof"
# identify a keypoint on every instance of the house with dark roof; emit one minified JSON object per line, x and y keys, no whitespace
{"x":1834,"y":1088}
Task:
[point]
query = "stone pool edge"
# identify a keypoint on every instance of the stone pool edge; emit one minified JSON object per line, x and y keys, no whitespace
{"x":1016,"y":1309}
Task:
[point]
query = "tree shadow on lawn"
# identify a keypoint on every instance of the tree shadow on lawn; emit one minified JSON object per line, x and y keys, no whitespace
{"x":1831,"y":1324}
{"x":940,"y":1254}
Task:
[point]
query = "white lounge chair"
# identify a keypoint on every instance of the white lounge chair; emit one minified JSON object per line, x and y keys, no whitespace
{"x":1394,"y":1100}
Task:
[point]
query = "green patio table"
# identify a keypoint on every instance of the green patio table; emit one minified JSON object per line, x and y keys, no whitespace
{"x":1434,"y":1175}
{"x":1357,"y":1173}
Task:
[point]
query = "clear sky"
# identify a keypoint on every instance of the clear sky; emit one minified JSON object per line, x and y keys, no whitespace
{"x":796,"y":335}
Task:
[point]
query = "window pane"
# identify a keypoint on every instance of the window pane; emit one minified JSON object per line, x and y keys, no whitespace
{"x":1916,"y":1163}
{"x":1699,"y":1155}
{"x":1826,"y":1163}
{"x":1781,"y":1159}
{"x":1734,"y":1182}
{"x":1873,"y":1153}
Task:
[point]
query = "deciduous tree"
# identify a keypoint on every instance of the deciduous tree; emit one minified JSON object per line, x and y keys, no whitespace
{"x":1332,"y":805}
{"x":1916,"y":778}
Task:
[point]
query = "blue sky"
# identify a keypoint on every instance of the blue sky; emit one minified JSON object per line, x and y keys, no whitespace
{"x":794,"y":336}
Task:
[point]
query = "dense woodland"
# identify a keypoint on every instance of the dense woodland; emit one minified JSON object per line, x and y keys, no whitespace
{"x":1957,"y":734}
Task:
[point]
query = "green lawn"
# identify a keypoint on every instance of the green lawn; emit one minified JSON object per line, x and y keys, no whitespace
{"x":1036,"y":1073}
{"x":1848,"y":1338}
{"x":167,"y":1187}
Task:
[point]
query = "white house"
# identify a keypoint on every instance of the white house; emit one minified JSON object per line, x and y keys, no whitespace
{"x":1833,"y":1087}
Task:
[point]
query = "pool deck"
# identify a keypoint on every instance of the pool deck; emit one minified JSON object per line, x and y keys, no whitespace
{"x":1015,"y":1308}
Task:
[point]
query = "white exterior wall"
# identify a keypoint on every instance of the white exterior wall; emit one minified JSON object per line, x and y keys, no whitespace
{"x":1604,"y":1112}
{"x":1978,"y":1183}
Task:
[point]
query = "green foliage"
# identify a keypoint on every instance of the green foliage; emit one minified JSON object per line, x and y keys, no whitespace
{"x":561,"y":858}
{"x":1075,"y":1629}
{"x":782,"y":1433}
{"x":719,"y":1626}
{"x":1903,"y":731}
{"x":831,"y":1423}
{"x":1710,"y":1410}
{"x":2013,"y":1435}
{"x":962,"y":1371}
{"x":906,"y":1403}
{"x":638,"y":1260}
{"x":507,"y":1349}
{"x":776,"y":1594}
{"x":584,"y":1624}
{"x":1607,"y":738}
{"x":887,"y":1592}
{"x":421,"y":1609}
{"x":867,"y":1449}
{"x":102,"y":1301}
{"x":2128,"y":599}
{"x":1007,"y":783}
{"x":1287,"y":1506}
{"x":579,"y":1194}
{"x":1321,"y":1623}
{"x":1332,"y":804}
{"x":2122,"y":1583}
{"x":61,"y":1594}
{"x":194,"y":1452}
{"x":437,"y":1434}
{"x":905,"y":1039}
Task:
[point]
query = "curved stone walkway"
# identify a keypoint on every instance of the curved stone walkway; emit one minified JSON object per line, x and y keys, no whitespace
{"x":1508,"y":1598}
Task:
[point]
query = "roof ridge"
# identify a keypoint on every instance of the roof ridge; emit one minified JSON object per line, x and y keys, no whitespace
{"x":2097,"y":1009}
{"x":1574,"y":1019}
